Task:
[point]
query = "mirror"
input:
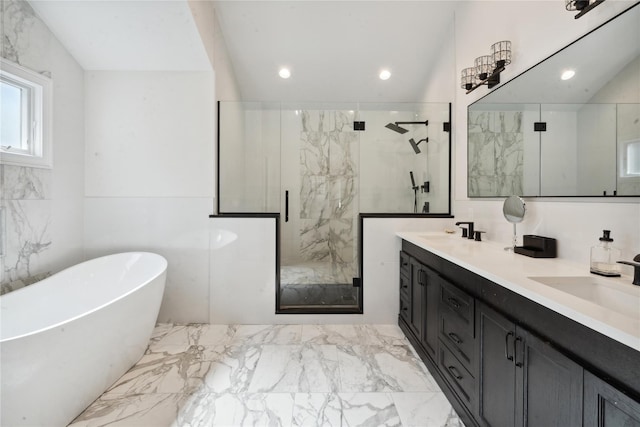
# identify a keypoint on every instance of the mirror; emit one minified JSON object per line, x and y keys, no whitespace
{"x":540,"y":136}
{"x":513,"y":210}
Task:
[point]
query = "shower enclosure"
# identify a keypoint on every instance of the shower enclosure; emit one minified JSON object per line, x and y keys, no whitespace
{"x":319,"y":167}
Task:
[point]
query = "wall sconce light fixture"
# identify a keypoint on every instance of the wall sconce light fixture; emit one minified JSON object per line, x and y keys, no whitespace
{"x":487,"y":68}
{"x":583,"y":6}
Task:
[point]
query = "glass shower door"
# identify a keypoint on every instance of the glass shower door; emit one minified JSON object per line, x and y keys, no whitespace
{"x":319,"y":175}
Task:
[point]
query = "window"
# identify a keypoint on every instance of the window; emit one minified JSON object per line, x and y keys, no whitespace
{"x":25,"y":110}
{"x":630,"y":158}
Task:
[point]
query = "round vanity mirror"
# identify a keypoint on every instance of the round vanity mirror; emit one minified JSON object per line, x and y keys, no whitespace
{"x":513,"y":210}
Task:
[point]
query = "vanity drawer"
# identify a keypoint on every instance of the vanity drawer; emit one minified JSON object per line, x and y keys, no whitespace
{"x":404,"y":285}
{"x":404,"y":264}
{"x":456,"y":334}
{"x":458,"y":302}
{"x":458,"y":376}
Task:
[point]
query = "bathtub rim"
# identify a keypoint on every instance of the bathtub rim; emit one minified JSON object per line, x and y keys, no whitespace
{"x":162,"y":271}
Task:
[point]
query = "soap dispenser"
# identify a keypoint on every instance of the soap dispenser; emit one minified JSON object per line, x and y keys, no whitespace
{"x":604,"y":257}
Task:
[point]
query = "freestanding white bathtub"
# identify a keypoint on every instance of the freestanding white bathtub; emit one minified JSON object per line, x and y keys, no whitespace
{"x":67,"y":338}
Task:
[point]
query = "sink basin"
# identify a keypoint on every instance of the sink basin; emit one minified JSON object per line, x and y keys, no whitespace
{"x":619,"y":297}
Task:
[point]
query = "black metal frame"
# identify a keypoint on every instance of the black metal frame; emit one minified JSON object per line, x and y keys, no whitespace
{"x":357,"y":282}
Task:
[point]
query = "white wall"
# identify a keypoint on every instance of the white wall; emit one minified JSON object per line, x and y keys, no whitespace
{"x":243,"y":271}
{"x":43,"y":207}
{"x":536,"y":29}
{"x":149,"y":177}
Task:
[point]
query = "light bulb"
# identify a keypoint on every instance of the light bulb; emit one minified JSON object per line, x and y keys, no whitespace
{"x":284,"y":73}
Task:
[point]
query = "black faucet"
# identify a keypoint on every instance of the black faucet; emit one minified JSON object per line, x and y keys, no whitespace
{"x":636,"y":268}
{"x":468,"y":233}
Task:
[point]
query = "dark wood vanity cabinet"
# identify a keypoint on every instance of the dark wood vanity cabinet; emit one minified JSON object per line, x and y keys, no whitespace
{"x":503,"y":360}
{"x":524,"y":381}
{"x":457,"y":353}
{"x":606,"y":406}
{"x":419,"y":289}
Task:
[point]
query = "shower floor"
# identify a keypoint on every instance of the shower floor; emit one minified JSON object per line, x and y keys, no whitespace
{"x":317,"y":284}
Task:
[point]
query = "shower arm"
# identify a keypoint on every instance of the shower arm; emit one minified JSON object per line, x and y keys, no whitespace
{"x":426,"y":123}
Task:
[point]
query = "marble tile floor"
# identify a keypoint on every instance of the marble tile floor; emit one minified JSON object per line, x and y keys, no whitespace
{"x":274,"y":375}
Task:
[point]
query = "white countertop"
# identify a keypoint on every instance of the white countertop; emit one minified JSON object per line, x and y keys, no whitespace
{"x":513,"y":271}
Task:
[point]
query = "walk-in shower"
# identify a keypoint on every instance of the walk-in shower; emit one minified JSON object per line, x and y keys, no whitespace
{"x":314,"y":167}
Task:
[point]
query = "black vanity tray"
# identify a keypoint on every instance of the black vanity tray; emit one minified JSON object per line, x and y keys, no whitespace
{"x":537,"y":247}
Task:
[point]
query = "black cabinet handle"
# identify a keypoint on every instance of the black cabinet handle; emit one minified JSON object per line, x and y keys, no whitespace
{"x":454,"y":302}
{"x":506,"y":346}
{"x":286,"y":206}
{"x":455,"y":338}
{"x":519,"y":364}
{"x":454,"y":372}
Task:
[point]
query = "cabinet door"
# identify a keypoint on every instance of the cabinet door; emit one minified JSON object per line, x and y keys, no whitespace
{"x":417,"y":298}
{"x":497,"y":372}
{"x":432,"y":296}
{"x":551,"y":384}
{"x":605,"y":406}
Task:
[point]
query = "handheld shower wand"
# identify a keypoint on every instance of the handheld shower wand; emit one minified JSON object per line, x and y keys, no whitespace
{"x":415,"y":189}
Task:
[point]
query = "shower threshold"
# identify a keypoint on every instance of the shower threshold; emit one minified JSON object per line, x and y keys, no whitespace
{"x":296,"y":295}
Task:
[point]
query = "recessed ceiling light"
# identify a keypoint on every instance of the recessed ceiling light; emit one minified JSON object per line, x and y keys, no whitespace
{"x":385,"y":74}
{"x":284,"y":73}
{"x":567,"y":74}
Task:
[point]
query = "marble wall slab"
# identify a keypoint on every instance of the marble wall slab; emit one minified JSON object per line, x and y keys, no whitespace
{"x":40,"y":209}
{"x":328,"y":192}
{"x":25,"y":219}
{"x":496,"y":152}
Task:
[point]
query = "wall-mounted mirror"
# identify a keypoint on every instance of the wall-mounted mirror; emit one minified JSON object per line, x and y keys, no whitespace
{"x":540,"y":135}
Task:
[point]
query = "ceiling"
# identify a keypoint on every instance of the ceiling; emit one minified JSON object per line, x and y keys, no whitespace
{"x":335,"y":49}
{"x":126,"y":35}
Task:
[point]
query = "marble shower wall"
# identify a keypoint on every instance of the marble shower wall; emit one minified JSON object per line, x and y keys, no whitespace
{"x":328,"y":207}
{"x":40,"y":208}
{"x":496,"y":151}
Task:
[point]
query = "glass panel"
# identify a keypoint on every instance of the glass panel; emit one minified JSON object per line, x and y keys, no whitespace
{"x":11,"y":120}
{"x":320,"y":173}
{"x":578,"y":152}
{"x":503,"y":150}
{"x":249,"y":157}
{"x":313,"y":164}
{"x":388,"y":159}
{"x":628,"y":127}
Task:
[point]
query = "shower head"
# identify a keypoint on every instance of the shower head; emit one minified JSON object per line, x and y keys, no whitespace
{"x":394,"y":127}
{"x":414,"y":144}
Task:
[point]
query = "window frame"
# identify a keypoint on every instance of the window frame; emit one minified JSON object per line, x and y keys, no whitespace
{"x":36,"y":111}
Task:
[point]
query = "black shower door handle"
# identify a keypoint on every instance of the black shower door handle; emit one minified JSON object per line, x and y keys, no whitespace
{"x":286,"y":206}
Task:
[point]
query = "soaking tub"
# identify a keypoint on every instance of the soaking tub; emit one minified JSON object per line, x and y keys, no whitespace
{"x":67,"y":338}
